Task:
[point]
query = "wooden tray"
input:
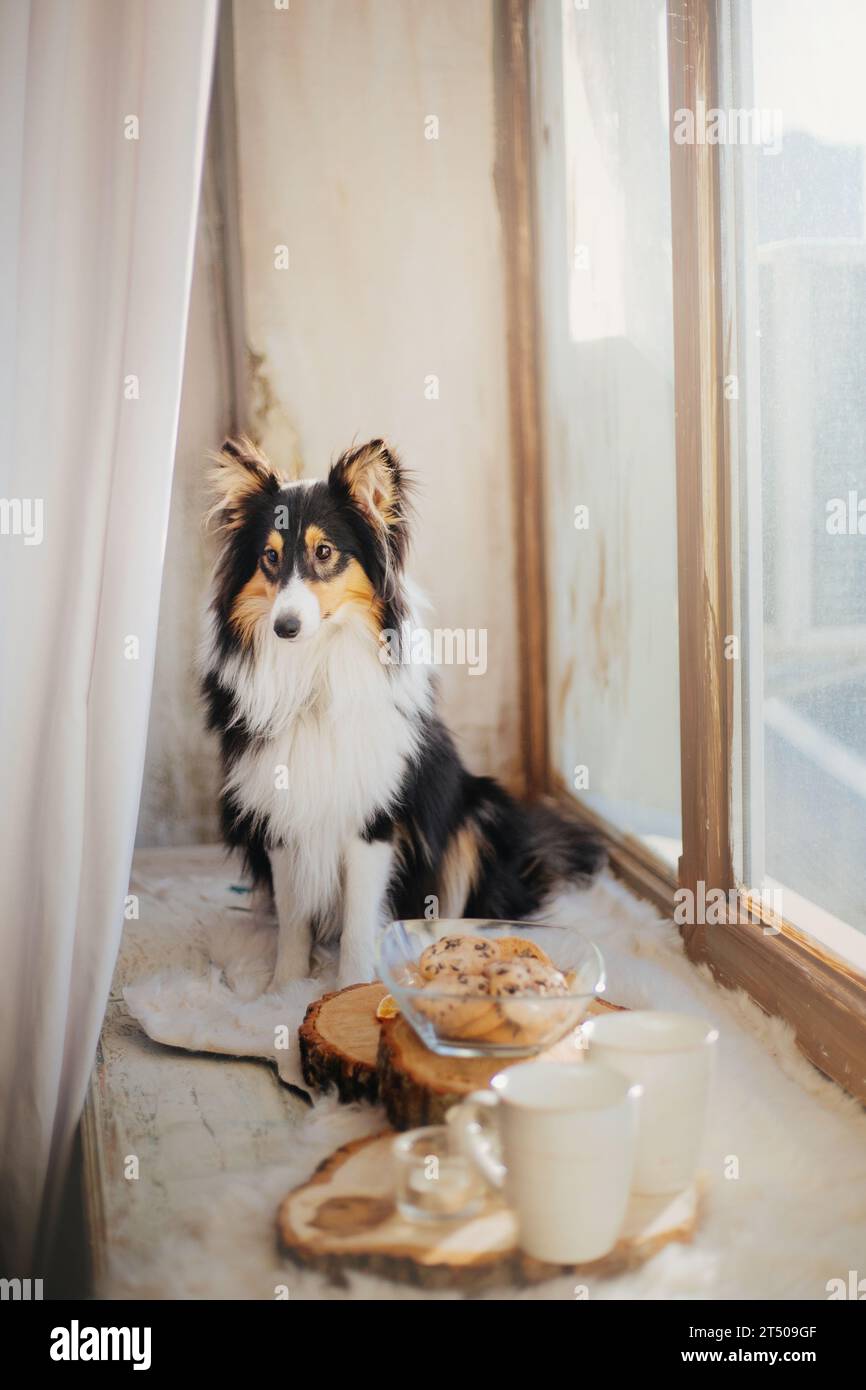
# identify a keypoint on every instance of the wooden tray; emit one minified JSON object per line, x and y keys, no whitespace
{"x":345,"y":1217}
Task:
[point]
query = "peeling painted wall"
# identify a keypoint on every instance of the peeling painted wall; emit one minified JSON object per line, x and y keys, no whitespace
{"x":395,"y":276}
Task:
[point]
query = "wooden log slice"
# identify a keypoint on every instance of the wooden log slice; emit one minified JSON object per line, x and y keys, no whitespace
{"x":417,"y":1086}
{"x":345,"y":1217}
{"x":343,"y":1044}
{"x":339,"y":1040}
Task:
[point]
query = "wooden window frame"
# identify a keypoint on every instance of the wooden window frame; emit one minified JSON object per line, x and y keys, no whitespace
{"x":788,"y":974}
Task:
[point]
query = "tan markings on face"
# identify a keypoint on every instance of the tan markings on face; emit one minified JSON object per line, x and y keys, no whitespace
{"x":252,"y":606}
{"x":313,"y":536}
{"x":274,"y":542}
{"x":351,"y":585}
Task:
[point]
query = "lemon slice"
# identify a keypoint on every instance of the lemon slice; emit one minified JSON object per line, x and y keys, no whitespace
{"x":388,"y":1007}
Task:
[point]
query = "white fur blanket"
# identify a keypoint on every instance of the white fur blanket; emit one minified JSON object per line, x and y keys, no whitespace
{"x":793,"y":1219}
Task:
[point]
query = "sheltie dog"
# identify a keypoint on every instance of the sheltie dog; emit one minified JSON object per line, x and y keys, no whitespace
{"x":342,"y":786}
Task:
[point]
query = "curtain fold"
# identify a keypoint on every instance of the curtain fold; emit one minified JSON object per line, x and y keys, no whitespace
{"x":103,"y":107}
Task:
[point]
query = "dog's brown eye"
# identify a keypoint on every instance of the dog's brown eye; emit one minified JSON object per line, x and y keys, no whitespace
{"x":271,"y":556}
{"x":323,"y":552}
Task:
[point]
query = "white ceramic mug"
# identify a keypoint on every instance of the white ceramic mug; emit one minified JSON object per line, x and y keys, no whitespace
{"x":567,"y":1139}
{"x":671,"y":1056}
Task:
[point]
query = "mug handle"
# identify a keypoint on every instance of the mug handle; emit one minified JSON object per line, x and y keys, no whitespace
{"x":465,"y":1118}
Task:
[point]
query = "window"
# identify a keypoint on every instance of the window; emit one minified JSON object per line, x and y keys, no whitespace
{"x":607,"y":409}
{"x":794,"y":220}
{"x":700,"y":266}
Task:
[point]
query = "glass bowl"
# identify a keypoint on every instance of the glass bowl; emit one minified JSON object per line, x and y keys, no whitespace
{"x":520,"y":1023}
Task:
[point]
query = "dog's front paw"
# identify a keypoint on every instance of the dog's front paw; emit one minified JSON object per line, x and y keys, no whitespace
{"x":278,"y":982}
{"x":287,"y":972}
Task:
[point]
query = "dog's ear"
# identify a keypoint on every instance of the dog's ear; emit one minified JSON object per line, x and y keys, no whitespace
{"x":240,"y":470}
{"x":372,"y":477}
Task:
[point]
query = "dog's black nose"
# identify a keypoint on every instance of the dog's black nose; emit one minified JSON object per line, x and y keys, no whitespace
{"x":287,"y":625}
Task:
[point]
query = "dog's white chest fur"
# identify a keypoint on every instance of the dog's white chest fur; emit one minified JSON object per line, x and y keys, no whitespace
{"x":336,"y":730}
{"x":330,"y":768}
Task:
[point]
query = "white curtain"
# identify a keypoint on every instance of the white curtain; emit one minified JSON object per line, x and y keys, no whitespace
{"x":103,"y":109}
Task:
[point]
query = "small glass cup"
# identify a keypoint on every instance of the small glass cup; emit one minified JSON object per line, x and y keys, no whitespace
{"x":434,"y":1179}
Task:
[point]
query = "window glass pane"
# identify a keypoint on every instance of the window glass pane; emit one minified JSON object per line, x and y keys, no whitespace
{"x":802,"y":220}
{"x":604,"y":254}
